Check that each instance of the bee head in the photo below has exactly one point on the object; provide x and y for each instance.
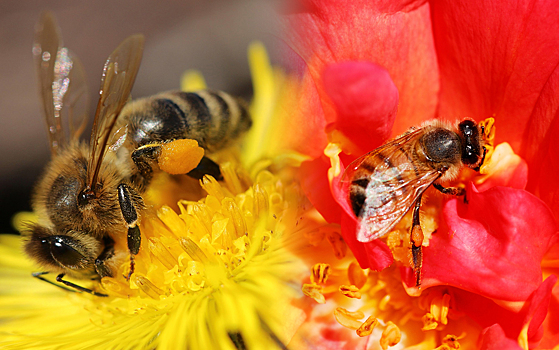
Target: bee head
(473, 152)
(70, 252)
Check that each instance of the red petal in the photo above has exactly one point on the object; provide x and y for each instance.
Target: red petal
(314, 181)
(494, 338)
(495, 59)
(488, 313)
(545, 167)
(365, 99)
(326, 32)
(492, 246)
(502, 59)
(506, 169)
(550, 265)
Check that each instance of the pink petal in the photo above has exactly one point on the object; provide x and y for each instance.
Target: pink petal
(365, 99)
(492, 246)
(325, 32)
(494, 338)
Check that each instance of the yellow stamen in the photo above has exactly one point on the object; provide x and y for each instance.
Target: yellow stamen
(390, 336)
(350, 291)
(320, 273)
(348, 319)
(337, 243)
(439, 308)
(429, 322)
(356, 275)
(147, 287)
(314, 291)
(451, 341)
(367, 327)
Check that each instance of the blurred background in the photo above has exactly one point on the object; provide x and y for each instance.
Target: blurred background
(211, 36)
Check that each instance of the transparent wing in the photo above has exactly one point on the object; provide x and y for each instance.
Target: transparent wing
(389, 184)
(62, 83)
(118, 78)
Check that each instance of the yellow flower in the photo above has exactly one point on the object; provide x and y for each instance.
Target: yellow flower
(212, 272)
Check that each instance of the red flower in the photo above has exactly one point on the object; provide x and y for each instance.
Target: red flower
(379, 67)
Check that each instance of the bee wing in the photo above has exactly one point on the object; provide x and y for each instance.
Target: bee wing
(389, 184)
(62, 83)
(118, 78)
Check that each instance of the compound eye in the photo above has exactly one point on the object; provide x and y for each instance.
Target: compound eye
(63, 252)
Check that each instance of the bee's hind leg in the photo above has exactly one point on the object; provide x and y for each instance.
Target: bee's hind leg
(129, 200)
(146, 159)
(416, 238)
(206, 167)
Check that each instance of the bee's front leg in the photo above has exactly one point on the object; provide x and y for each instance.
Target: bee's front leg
(416, 238)
(130, 203)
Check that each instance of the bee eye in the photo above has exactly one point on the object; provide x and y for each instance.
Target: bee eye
(63, 252)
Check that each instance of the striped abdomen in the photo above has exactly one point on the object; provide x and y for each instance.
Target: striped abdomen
(213, 118)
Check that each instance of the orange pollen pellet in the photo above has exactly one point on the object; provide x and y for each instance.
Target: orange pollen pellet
(320, 273)
(350, 291)
(180, 156)
(417, 236)
(337, 243)
(347, 318)
(367, 327)
(390, 336)
(314, 291)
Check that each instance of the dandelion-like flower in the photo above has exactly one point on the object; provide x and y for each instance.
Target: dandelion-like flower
(212, 272)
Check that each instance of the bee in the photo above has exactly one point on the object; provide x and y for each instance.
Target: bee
(384, 184)
(91, 193)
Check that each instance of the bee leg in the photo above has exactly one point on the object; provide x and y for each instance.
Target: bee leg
(128, 201)
(107, 253)
(59, 279)
(453, 191)
(416, 237)
(145, 158)
(206, 167)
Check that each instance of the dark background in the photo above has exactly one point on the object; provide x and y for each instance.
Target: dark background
(210, 36)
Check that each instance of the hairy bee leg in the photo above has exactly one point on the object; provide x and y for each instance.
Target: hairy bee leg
(59, 279)
(107, 253)
(145, 158)
(130, 215)
(454, 191)
(416, 237)
(206, 167)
